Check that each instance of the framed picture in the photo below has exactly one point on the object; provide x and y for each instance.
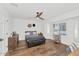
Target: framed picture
(29, 25)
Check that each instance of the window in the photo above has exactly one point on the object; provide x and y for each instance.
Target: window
(48, 28)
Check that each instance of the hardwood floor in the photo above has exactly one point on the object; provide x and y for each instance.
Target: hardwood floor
(47, 49)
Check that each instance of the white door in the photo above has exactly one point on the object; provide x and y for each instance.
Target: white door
(5, 34)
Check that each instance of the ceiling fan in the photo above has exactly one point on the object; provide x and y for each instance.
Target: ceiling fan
(38, 16)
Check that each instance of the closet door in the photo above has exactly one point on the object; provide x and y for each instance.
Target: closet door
(1, 35)
(5, 34)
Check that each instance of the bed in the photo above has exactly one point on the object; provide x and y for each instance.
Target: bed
(33, 39)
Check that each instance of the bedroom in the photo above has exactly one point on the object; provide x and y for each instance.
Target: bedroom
(20, 17)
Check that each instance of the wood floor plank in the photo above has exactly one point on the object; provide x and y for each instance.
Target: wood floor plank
(47, 49)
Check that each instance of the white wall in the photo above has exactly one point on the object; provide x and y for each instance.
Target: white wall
(48, 30)
(20, 26)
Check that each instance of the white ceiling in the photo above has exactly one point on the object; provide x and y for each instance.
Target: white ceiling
(50, 10)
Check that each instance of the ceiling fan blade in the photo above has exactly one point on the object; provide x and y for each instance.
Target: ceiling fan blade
(39, 14)
(41, 18)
